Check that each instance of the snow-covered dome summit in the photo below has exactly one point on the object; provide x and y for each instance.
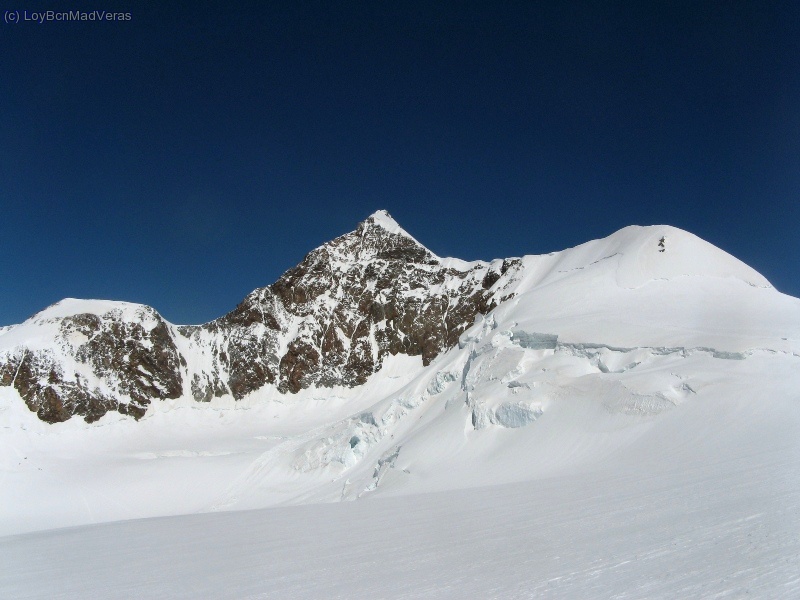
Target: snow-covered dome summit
(665, 252)
(657, 286)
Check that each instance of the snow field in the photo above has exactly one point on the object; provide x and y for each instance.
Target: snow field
(627, 425)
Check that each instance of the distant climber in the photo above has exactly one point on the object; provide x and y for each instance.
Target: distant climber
(662, 244)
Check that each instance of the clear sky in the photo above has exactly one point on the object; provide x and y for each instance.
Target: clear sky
(189, 155)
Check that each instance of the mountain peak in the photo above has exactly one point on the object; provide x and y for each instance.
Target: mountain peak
(384, 223)
(384, 220)
(380, 236)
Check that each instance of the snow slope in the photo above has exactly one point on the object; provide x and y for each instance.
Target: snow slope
(706, 506)
(625, 424)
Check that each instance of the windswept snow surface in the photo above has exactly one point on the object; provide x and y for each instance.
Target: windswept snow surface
(626, 425)
(706, 506)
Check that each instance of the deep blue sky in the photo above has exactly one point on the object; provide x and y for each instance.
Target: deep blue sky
(190, 155)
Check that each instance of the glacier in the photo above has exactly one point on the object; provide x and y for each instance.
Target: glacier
(620, 421)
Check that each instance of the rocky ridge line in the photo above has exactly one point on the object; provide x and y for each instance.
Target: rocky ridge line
(331, 320)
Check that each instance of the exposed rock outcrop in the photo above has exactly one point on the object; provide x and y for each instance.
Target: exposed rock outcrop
(331, 320)
(119, 360)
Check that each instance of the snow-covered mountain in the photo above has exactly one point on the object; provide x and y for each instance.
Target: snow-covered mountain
(620, 419)
(332, 320)
(377, 368)
(374, 293)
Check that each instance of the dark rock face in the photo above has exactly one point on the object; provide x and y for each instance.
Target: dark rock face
(331, 320)
(39, 379)
(134, 365)
(145, 362)
(334, 318)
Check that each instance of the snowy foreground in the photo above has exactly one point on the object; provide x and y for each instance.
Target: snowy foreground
(627, 426)
(686, 515)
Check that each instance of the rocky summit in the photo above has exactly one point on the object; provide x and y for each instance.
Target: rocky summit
(329, 321)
